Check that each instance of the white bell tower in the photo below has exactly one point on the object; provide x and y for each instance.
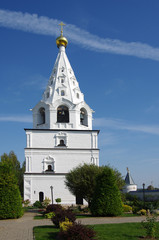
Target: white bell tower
(62, 135)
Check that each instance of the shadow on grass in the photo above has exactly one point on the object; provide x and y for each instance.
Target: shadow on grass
(45, 232)
(127, 236)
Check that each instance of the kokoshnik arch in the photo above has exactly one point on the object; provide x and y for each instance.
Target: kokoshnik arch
(62, 135)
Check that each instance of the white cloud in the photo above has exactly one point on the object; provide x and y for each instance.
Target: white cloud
(123, 125)
(47, 26)
(18, 118)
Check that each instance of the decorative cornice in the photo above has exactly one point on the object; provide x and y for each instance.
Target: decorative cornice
(46, 173)
(60, 130)
(64, 148)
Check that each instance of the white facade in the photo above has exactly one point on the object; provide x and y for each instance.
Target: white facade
(62, 135)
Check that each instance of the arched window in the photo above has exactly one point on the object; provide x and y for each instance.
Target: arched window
(62, 114)
(83, 117)
(41, 115)
(77, 95)
(62, 143)
(49, 168)
(62, 93)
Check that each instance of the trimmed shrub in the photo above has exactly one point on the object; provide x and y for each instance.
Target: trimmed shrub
(77, 232)
(58, 200)
(53, 208)
(49, 215)
(65, 225)
(135, 209)
(127, 208)
(61, 215)
(38, 204)
(107, 197)
(10, 198)
(142, 212)
(86, 210)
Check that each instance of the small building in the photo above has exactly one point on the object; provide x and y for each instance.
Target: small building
(129, 186)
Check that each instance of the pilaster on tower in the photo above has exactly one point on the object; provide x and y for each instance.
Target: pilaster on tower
(62, 105)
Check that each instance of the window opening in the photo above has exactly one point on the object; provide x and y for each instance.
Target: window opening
(62, 80)
(62, 93)
(49, 168)
(83, 117)
(77, 95)
(41, 196)
(42, 115)
(62, 143)
(62, 114)
(48, 94)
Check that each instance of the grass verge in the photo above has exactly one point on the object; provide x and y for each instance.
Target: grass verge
(40, 216)
(120, 231)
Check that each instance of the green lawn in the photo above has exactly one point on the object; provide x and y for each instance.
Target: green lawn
(40, 216)
(45, 232)
(122, 231)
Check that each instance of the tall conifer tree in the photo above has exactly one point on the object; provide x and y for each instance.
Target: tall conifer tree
(107, 197)
(10, 199)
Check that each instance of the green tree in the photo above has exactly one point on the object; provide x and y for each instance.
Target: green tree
(107, 198)
(21, 179)
(119, 178)
(12, 161)
(150, 187)
(10, 199)
(81, 181)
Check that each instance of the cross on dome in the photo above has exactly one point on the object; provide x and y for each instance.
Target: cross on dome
(62, 24)
(61, 41)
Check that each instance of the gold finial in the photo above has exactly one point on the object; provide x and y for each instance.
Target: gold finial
(61, 41)
(127, 169)
(62, 24)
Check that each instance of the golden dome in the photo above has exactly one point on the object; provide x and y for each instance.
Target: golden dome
(61, 41)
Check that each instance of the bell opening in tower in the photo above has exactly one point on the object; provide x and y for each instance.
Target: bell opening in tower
(83, 117)
(62, 114)
(41, 116)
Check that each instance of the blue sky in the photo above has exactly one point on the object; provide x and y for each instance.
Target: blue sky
(114, 51)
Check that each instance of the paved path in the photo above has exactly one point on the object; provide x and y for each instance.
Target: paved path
(22, 228)
(105, 220)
